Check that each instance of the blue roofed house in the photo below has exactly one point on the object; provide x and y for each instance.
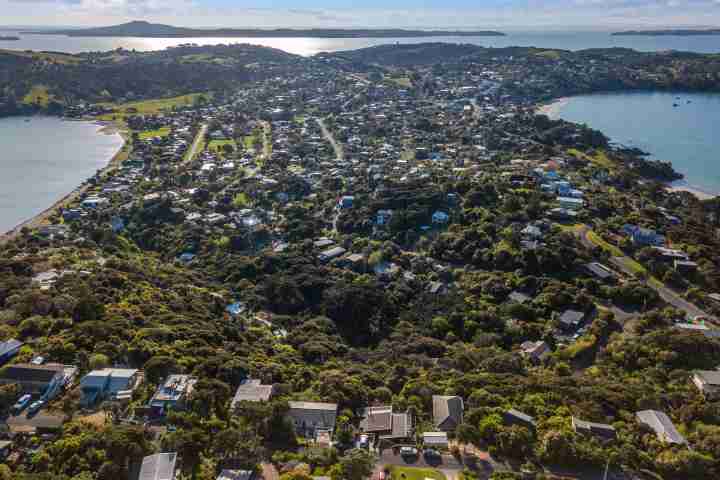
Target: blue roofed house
(235, 308)
(113, 383)
(8, 349)
(346, 201)
(643, 236)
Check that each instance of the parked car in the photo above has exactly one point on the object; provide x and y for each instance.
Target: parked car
(21, 403)
(408, 451)
(364, 441)
(36, 406)
(431, 453)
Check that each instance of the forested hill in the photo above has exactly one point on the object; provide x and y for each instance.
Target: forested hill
(59, 79)
(146, 29)
(675, 32)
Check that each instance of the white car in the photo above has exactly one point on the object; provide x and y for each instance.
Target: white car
(408, 451)
(36, 406)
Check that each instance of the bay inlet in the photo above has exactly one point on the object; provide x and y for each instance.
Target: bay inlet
(678, 127)
(42, 159)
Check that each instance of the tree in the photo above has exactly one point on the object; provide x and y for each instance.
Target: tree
(159, 367)
(99, 361)
(8, 395)
(357, 464)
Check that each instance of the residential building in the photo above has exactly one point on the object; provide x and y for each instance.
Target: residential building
(440, 218)
(236, 475)
(600, 271)
(447, 412)
(311, 417)
(708, 382)
(571, 319)
(108, 383)
(661, 424)
(331, 253)
(435, 439)
(516, 417)
(534, 351)
(8, 349)
(173, 394)
(160, 466)
(599, 430)
(385, 423)
(251, 390)
(571, 203)
(34, 379)
(643, 237)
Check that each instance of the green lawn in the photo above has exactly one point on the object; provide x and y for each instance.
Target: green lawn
(600, 157)
(37, 94)
(615, 252)
(249, 142)
(152, 106)
(412, 473)
(160, 132)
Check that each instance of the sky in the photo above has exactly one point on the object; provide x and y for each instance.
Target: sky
(462, 14)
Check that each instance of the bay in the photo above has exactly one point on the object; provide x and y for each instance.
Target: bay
(677, 127)
(44, 158)
(568, 40)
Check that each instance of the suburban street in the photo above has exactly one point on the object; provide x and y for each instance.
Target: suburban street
(327, 135)
(195, 147)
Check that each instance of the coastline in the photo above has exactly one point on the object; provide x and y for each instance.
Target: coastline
(684, 186)
(107, 128)
(552, 109)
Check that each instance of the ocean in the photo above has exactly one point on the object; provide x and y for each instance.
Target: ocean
(311, 46)
(45, 158)
(677, 127)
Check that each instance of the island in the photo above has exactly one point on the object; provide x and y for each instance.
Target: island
(8, 38)
(147, 29)
(669, 32)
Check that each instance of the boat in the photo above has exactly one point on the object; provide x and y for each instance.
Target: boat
(675, 104)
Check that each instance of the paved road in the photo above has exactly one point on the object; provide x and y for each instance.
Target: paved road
(623, 263)
(339, 154)
(199, 138)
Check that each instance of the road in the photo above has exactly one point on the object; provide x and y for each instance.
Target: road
(327, 135)
(199, 138)
(624, 263)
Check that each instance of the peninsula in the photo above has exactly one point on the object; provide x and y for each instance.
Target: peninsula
(146, 29)
(669, 32)
(8, 38)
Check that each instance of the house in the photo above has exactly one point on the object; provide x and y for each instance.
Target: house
(440, 218)
(531, 231)
(251, 390)
(5, 448)
(643, 237)
(383, 217)
(346, 201)
(447, 412)
(571, 203)
(661, 424)
(108, 383)
(34, 379)
(173, 394)
(516, 417)
(437, 288)
(600, 271)
(323, 242)
(435, 439)
(330, 254)
(598, 430)
(386, 424)
(685, 267)
(160, 466)
(571, 320)
(519, 297)
(534, 351)
(236, 475)
(310, 418)
(708, 382)
(8, 349)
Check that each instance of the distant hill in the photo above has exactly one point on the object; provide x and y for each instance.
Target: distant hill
(146, 29)
(675, 32)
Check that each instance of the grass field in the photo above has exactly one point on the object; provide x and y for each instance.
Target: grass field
(403, 82)
(160, 132)
(152, 106)
(615, 252)
(412, 473)
(37, 94)
(599, 158)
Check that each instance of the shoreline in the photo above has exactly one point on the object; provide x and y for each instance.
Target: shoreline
(683, 186)
(106, 128)
(552, 109)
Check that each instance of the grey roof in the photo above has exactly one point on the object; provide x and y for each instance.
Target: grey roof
(377, 419)
(599, 270)
(160, 466)
(661, 425)
(519, 297)
(235, 475)
(711, 377)
(447, 411)
(252, 390)
(9, 345)
(316, 413)
(401, 425)
(518, 415)
(601, 429)
(571, 317)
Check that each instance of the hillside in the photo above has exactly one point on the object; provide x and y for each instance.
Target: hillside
(146, 29)
(674, 32)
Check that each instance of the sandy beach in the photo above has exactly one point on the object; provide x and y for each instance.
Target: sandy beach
(684, 186)
(43, 217)
(553, 108)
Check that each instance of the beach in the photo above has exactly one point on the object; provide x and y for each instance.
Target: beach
(107, 128)
(684, 186)
(553, 108)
